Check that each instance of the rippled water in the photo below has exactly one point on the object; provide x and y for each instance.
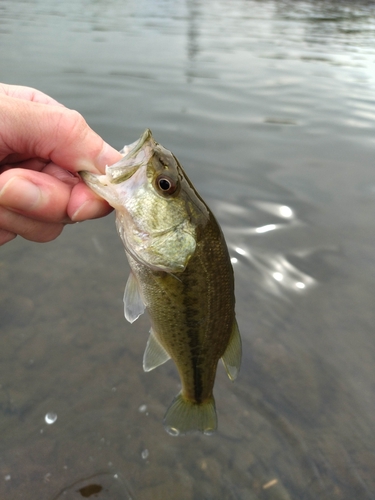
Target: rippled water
(270, 107)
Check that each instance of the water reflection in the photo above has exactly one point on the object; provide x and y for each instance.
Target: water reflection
(277, 274)
(193, 30)
(276, 209)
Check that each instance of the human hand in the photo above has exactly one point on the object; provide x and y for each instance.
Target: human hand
(42, 147)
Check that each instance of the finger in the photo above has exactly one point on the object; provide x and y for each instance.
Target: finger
(28, 94)
(12, 223)
(61, 174)
(21, 161)
(6, 236)
(54, 133)
(84, 204)
(51, 196)
(34, 194)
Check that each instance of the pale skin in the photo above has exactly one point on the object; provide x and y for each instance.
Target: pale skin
(42, 147)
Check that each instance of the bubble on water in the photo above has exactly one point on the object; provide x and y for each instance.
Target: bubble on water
(172, 431)
(145, 454)
(50, 418)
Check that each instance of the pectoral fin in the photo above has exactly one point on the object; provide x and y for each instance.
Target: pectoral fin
(232, 356)
(133, 304)
(155, 354)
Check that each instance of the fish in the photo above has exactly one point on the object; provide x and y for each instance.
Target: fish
(181, 274)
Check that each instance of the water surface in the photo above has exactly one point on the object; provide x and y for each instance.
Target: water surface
(270, 107)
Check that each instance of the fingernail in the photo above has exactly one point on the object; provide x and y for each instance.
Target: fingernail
(91, 209)
(20, 193)
(107, 156)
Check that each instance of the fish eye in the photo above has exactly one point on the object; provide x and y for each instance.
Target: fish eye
(166, 185)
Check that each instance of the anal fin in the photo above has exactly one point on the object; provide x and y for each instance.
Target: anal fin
(133, 303)
(155, 354)
(232, 356)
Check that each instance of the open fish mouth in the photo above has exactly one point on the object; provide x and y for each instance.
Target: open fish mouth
(132, 149)
(135, 155)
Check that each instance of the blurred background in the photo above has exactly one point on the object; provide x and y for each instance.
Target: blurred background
(270, 107)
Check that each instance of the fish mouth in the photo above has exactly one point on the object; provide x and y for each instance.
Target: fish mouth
(97, 183)
(135, 155)
(131, 150)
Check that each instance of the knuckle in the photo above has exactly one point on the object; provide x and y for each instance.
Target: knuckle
(71, 125)
(75, 123)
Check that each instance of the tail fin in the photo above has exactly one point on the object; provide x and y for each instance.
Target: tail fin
(184, 416)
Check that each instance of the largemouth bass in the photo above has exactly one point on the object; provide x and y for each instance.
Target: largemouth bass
(180, 272)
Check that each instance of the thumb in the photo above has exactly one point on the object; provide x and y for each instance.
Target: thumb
(51, 132)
